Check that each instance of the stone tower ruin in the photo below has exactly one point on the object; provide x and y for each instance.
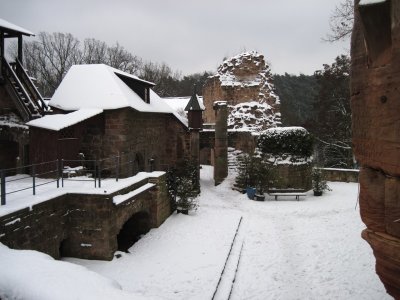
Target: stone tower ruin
(245, 83)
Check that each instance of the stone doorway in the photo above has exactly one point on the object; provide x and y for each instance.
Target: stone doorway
(138, 164)
(132, 230)
(8, 155)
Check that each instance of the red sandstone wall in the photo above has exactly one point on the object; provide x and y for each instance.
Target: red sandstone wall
(158, 136)
(376, 136)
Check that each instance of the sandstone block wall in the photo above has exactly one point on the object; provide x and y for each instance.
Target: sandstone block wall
(341, 175)
(293, 177)
(150, 135)
(375, 79)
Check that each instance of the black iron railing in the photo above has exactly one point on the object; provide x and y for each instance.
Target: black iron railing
(66, 170)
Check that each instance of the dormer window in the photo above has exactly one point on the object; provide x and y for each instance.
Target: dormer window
(140, 87)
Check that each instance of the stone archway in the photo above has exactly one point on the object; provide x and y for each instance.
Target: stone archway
(132, 230)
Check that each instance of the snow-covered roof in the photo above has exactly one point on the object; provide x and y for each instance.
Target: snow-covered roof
(60, 121)
(194, 104)
(179, 103)
(99, 86)
(370, 2)
(12, 27)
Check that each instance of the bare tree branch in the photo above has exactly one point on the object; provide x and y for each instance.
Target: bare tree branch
(341, 22)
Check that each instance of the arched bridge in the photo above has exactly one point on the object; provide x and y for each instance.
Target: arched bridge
(89, 226)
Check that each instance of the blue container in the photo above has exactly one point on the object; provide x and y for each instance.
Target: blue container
(250, 191)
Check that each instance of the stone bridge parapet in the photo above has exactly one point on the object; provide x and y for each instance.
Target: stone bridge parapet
(85, 225)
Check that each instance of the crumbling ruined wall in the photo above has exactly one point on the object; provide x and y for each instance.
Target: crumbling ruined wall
(375, 81)
(245, 78)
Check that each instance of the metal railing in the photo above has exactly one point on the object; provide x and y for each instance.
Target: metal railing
(64, 170)
(45, 169)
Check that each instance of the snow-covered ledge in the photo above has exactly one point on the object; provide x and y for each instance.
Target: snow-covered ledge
(25, 199)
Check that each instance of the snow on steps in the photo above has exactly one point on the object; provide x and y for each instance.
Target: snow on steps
(232, 158)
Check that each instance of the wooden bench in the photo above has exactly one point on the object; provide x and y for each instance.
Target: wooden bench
(289, 192)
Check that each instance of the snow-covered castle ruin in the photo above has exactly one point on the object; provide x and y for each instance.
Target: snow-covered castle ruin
(245, 82)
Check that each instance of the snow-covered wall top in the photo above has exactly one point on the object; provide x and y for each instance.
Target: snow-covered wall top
(370, 2)
(245, 69)
(12, 121)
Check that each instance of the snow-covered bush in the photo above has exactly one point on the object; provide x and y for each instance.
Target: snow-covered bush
(280, 141)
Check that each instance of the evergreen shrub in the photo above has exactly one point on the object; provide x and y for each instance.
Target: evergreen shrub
(280, 141)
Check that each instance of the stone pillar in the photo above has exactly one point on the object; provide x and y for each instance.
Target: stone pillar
(195, 148)
(161, 205)
(221, 141)
(375, 107)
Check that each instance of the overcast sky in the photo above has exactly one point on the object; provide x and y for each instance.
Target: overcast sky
(193, 36)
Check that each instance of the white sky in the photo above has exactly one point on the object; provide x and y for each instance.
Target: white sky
(193, 36)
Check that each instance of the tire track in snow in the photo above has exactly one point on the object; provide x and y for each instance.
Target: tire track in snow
(227, 278)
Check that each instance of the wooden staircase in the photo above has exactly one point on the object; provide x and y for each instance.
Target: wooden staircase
(23, 91)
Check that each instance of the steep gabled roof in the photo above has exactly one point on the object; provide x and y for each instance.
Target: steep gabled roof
(100, 86)
(10, 28)
(194, 103)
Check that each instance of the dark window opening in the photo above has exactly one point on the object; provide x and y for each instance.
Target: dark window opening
(376, 21)
(133, 230)
(141, 88)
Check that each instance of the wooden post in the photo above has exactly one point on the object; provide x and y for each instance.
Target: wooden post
(20, 53)
(1, 54)
(3, 187)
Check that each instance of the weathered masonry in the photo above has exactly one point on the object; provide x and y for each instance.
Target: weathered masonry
(89, 226)
(375, 81)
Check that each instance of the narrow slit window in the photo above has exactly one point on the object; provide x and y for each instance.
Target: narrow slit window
(376, 21)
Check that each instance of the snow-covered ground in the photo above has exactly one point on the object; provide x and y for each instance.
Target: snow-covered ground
(286, 249)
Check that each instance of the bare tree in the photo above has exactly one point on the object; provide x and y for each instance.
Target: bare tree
(49, 57)
(123, 60)
(56, 53)
(160, 73)
(341, 22)
(94, 52)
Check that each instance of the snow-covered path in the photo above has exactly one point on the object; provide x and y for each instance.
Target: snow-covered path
(308, 249)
